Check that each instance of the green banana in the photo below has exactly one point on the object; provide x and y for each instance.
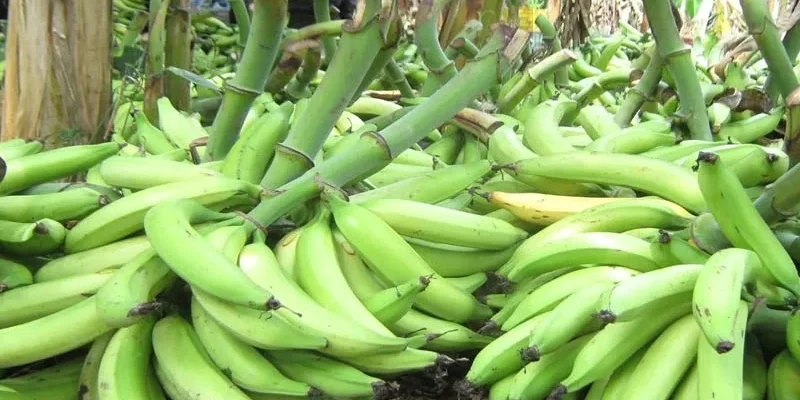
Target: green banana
(431, 187)
(38, 238)
(125, 216)
(344, 337)
(541, 127)
(570, 317)
(717, 292)
(178, 128)
(63, 206)
(755, 370)
(536, 379)
(51, 335)
(617, 382)
(750, 129)
(396, 172)
(151, 138)
(735, 214)
(139, 173)
(125, 369)
(183, 367)
(641, 294)
(389, 305)
(89, 381)
(318, 273)
(444, 225)
(687, 390)
(583, 248)
(243, 364)
(784, 372)
(330, 376)
(56, 382)
(792, 334)
(50, 165)
(400, 362)
(38, 300)
(250, 155)
(456, 261)
(667, 359)
(720, 376)
(469, 283)
(286, 252)
(394, 260)
(642, 173)
(112, 255)
(610, 347)
(549, 295)
(129, 295)
(500, 389)
(13, 275)
(680, 150)
(631, 143)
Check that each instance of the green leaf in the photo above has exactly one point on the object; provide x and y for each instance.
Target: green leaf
(194, 78)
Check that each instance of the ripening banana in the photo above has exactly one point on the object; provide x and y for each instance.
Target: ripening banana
(735, 214)
(125, 216)
(570, 317)
(344, 337)
(13, 275)
(650, 175)
(645, 293)
(603, 248)
(544, 209)
(332, 377)
(536, 379)
(610, 347)
(38, 300)
(721, 375)
(389, 305)
(784, 377)
(243, 364)
(394, 260)
(129, 295)
(125, 368)
(549, 295)
(717, 294)
(667, 359)
(444, 225)
(51, 335)
(51, 165)
(184, 368)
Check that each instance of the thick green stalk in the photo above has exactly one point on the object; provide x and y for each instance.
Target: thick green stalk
(678, 58)
(763, 29)
(289, 64)
(490, 15)
(550, 34)
(643, 90)
(391, 38)
(298, 88)
(242, 20)
(465, 47)
(154, 66)
(322, 13)
(178, 54)
(135, 28)
(314, 31)
(269, 19)
(441, 69)
(791, 139)
(361, 42)
(470, 30)
(532, 78)
(375, 150)
(791, 43)
(398, 79)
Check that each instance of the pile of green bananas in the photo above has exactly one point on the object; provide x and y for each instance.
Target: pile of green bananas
(546, 249)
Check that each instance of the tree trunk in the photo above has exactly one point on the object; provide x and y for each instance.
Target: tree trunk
(579, 18)
(58, 71)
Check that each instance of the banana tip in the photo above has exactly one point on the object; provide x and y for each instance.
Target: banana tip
(467, 390)
(489, 328)
(557, 393)
(724, 347)
(3, 168)
(385, 390)
(315, 393)
(3, 287)
(529, 354)
(707, 156)
(607, 316)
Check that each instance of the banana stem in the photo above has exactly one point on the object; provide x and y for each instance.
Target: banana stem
(308, 70)
(791, 140)
(398, 79)
(138, 22)
(643, 90)
(469, 31)
(763, 29)
(360, 44)
(678, 58)
(780, 199)
(374, 150)
(242, 20)
(791, 43)
(451, 18)
(289, 64)
(478, 123)
(386, 54)
(550, 35)
(533, 78)
(441, 69)
(319, 30)
(465, 47)
(322, 14)
(269, 19)
(154, 67)
(178, 54)
(490, 15)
